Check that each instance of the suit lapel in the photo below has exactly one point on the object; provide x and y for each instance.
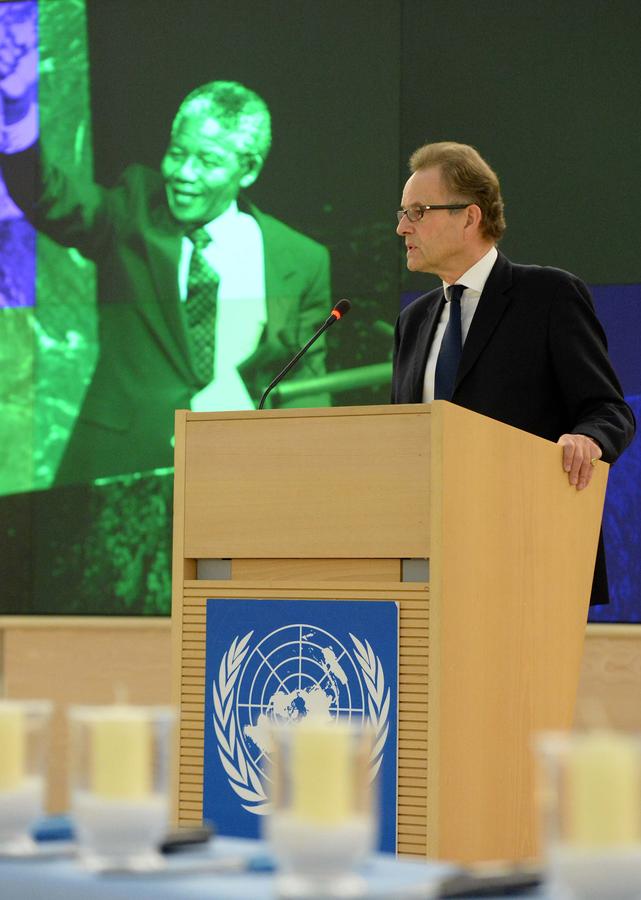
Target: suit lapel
(280, 270)
(424, 342)
(163, 246)
(278, 340)
(492, 305)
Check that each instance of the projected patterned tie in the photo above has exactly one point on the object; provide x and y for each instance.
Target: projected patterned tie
(449, 356)
(202, 290)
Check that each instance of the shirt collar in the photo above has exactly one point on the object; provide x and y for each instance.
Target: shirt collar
(477, 275)
(221, 223)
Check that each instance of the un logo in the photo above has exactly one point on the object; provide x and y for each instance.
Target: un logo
(293, 672)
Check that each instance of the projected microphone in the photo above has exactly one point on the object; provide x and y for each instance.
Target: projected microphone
(340, 309)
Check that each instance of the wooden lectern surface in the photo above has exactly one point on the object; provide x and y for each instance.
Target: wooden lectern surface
(512, 562)
(341, 491)
(324, 504)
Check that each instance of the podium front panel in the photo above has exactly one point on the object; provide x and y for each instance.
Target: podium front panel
(297, 483)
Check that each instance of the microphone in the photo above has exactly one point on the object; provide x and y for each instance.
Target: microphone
(340, 309)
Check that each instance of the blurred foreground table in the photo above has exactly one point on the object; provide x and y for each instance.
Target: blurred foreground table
(64, 879)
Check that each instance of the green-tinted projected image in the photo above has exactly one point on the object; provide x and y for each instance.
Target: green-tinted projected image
(48, 349)
(201, 296)
(96, 549)
(163, 283)
(18, 56)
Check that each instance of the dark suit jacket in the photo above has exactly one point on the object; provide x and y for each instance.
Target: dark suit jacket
(144, 370)
(535, 357)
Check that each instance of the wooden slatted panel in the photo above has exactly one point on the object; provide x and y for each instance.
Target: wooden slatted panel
(416, 851)
(192, 712)
(412, 695)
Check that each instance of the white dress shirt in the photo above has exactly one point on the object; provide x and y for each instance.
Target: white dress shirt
(474, 280)
(236, 253)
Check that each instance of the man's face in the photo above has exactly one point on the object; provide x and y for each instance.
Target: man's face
(435, 242)
(203, 171)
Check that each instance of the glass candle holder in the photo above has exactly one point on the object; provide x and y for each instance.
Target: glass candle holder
(322, 823)
(24, 744)
(590, 801)
(120, 777)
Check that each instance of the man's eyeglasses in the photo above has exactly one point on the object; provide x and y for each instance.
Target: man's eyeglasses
(416, 213)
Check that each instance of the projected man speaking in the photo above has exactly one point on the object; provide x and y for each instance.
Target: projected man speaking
(202, 297)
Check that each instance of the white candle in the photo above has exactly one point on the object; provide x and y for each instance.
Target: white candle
(604, 791)
(121, 753)
(322, 773)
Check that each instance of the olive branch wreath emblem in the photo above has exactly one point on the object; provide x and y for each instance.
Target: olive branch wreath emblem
(242, 777)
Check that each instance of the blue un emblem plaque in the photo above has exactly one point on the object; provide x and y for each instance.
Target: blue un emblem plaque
(279, 661)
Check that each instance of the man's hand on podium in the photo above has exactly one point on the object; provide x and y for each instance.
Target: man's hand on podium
(580, 454)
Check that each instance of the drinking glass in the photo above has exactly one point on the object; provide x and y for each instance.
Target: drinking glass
(120, 776)
(322, 823)
(24, 740)
(590, 800)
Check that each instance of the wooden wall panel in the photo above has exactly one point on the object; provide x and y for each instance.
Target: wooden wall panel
(610, 683)
(84, 660)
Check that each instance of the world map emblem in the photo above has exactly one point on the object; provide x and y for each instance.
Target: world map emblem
(279, 661)
(295, 671)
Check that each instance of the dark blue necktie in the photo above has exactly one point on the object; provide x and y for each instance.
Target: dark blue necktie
(449, 356)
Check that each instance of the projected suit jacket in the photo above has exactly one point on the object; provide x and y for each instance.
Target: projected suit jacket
(144, 370)
(535, 357)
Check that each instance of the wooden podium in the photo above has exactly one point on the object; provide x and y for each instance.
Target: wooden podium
(469, 524)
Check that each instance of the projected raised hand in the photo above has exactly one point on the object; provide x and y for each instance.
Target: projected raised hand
(18, 75)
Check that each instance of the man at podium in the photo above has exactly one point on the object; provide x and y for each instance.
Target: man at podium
(521, 344)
